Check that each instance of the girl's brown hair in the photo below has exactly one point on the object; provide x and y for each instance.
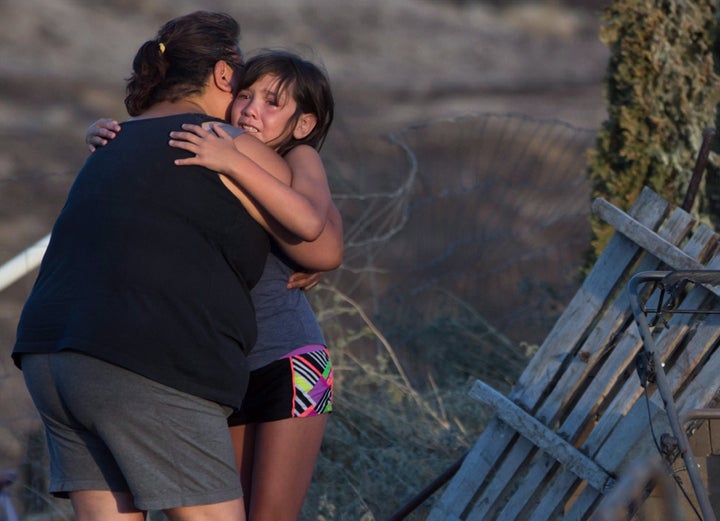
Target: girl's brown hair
(305, 82)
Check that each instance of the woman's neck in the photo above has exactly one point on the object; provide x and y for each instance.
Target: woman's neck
(171, 108)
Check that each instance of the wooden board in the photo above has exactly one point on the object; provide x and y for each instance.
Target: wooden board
(585, 414)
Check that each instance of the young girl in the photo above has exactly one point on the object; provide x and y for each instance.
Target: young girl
(285, 102)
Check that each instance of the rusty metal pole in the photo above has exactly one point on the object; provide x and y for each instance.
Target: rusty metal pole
(699, 169)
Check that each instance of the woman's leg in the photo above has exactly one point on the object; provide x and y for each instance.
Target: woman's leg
(233, 510)
(167, 449)
(104, 505)
(283, 464)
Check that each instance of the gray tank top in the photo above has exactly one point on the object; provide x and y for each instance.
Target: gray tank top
(285, 319)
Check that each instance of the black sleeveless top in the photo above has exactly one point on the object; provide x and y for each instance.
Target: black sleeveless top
(149, 267)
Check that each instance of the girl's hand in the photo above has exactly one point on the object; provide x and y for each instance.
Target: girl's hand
(98, 133)
(213, 148)
(303, 281)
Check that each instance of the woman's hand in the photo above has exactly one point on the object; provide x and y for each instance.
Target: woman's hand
(213, 148)
(304, 281)
(98, 133)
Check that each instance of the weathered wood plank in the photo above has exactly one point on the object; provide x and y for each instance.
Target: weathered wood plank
(674, 230)
(586, 305)
(643, 236)
(570, 329)
(632, 431)
(542, 437)
(560, 486)
(483, 457)
(558, 489)
(703, 338)
(577, 367)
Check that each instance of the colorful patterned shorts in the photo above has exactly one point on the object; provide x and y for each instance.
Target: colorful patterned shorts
(296, 386)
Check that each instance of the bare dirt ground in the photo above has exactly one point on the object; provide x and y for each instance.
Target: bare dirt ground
(392, 64)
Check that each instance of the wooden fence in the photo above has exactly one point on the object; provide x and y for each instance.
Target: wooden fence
(578, 421)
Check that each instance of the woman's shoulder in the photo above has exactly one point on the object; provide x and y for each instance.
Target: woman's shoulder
(186, 117)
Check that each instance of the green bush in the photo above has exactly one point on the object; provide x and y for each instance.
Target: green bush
(662, 90)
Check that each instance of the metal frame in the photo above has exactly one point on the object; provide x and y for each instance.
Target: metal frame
(671, 279)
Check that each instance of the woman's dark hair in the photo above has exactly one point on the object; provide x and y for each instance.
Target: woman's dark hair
(305, 82)
(178, 62)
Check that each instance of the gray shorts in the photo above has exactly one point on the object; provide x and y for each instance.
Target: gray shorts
(108, 428)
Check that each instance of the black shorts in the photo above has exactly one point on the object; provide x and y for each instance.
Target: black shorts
(296, 386)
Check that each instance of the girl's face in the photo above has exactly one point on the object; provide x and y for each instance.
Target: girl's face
(263, 111)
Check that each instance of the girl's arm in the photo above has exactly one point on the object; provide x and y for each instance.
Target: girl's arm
(309, 180)
(302, 211)
(322, 254)
(325, 253)
(98, 133)
(298, 212)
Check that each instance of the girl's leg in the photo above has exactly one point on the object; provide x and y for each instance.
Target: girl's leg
(283, 464)
(243, 439)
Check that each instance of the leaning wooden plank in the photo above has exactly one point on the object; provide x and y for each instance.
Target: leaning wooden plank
(560, 486)
(703, 245)
(524, 500)
(570, 329)
(665, 341)
(645, 237)
(620, 366)
(704, 388)
(494, 494)
(556, 495)
(620, 253)
(680, 325)
(633, 429)
(590, 373)
(545, 439)
(583, 506)
(598, 385)
(618, 315)
(469, 478)
(609, 425)
(552, 407)
(482, 458)
(583, 309)
(586, 501)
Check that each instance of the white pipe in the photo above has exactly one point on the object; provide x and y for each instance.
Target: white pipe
(23, 263)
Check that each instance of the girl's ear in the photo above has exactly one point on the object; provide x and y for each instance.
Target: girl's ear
(305, 124)
(223, 76)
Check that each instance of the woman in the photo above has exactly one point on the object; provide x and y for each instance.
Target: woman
(133, 340)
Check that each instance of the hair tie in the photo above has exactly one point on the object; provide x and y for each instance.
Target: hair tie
(162, 47)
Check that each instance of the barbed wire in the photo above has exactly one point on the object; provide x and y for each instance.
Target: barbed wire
(464, 237)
